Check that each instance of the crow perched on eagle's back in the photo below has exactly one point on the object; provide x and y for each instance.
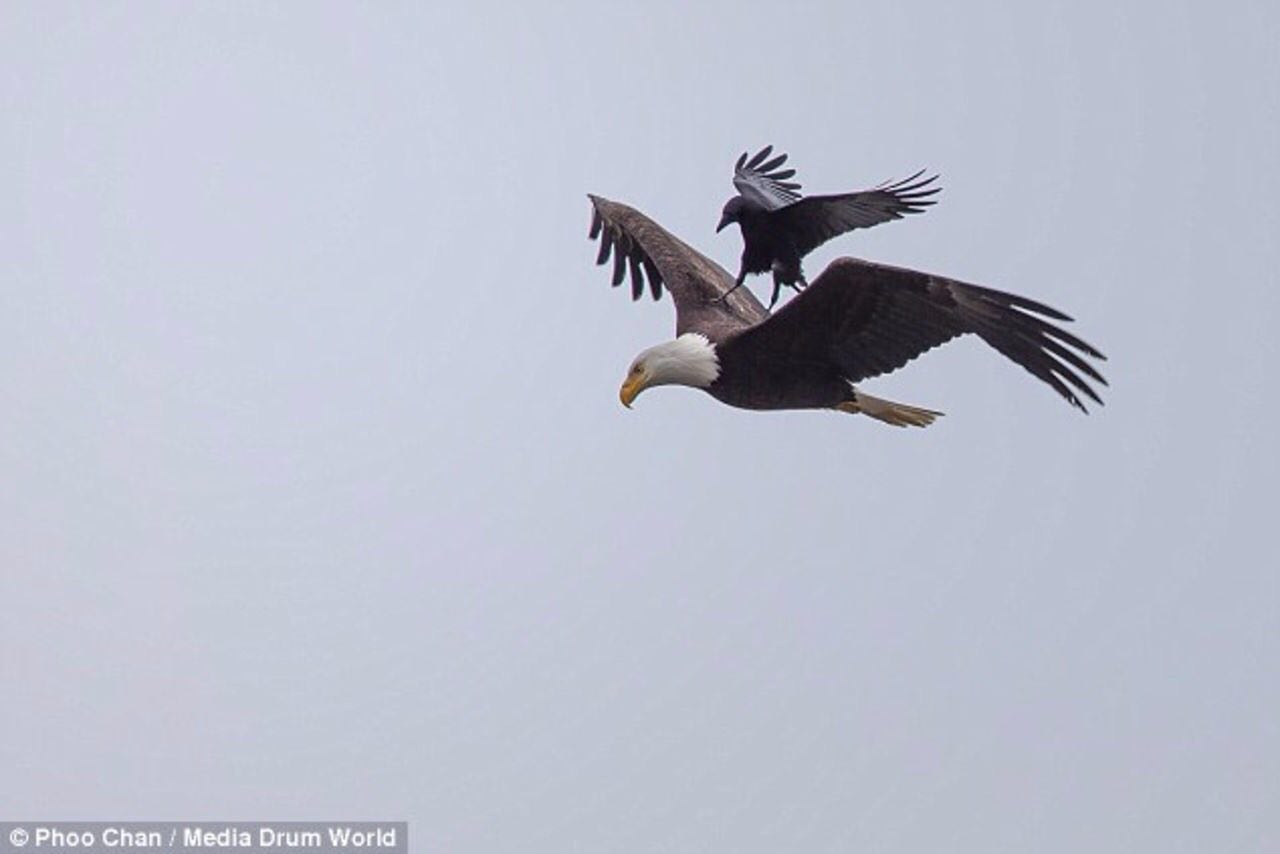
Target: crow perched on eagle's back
(780, 227)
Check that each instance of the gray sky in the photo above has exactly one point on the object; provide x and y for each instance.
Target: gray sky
(317, 500)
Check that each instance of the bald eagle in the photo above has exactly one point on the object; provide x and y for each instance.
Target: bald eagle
(857, 320)
(779, 226)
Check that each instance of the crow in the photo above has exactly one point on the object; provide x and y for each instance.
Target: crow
(780, 227)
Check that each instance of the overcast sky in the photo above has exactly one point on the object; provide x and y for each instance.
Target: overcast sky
(317, 499)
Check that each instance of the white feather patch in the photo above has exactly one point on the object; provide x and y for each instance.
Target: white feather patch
(688, 360)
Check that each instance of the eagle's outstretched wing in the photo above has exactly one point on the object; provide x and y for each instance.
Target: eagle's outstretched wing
(697, 284)
(871, 319)
(763, 182)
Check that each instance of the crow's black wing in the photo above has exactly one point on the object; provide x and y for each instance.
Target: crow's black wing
(812, 221)
(761, 181)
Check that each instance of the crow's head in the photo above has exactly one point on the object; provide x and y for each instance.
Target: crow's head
(732, 212)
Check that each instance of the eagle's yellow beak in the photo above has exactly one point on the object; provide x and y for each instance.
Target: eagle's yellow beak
(636, 382)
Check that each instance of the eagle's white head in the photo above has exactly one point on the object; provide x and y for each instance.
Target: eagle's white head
(689, 360)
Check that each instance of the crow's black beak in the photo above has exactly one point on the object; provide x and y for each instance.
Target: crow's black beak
(724, 220)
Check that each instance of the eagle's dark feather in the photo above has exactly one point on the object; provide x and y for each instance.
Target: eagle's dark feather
(697, 284)
(869, 319)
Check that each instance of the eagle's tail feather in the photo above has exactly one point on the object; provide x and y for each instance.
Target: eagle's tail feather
(897, 414)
